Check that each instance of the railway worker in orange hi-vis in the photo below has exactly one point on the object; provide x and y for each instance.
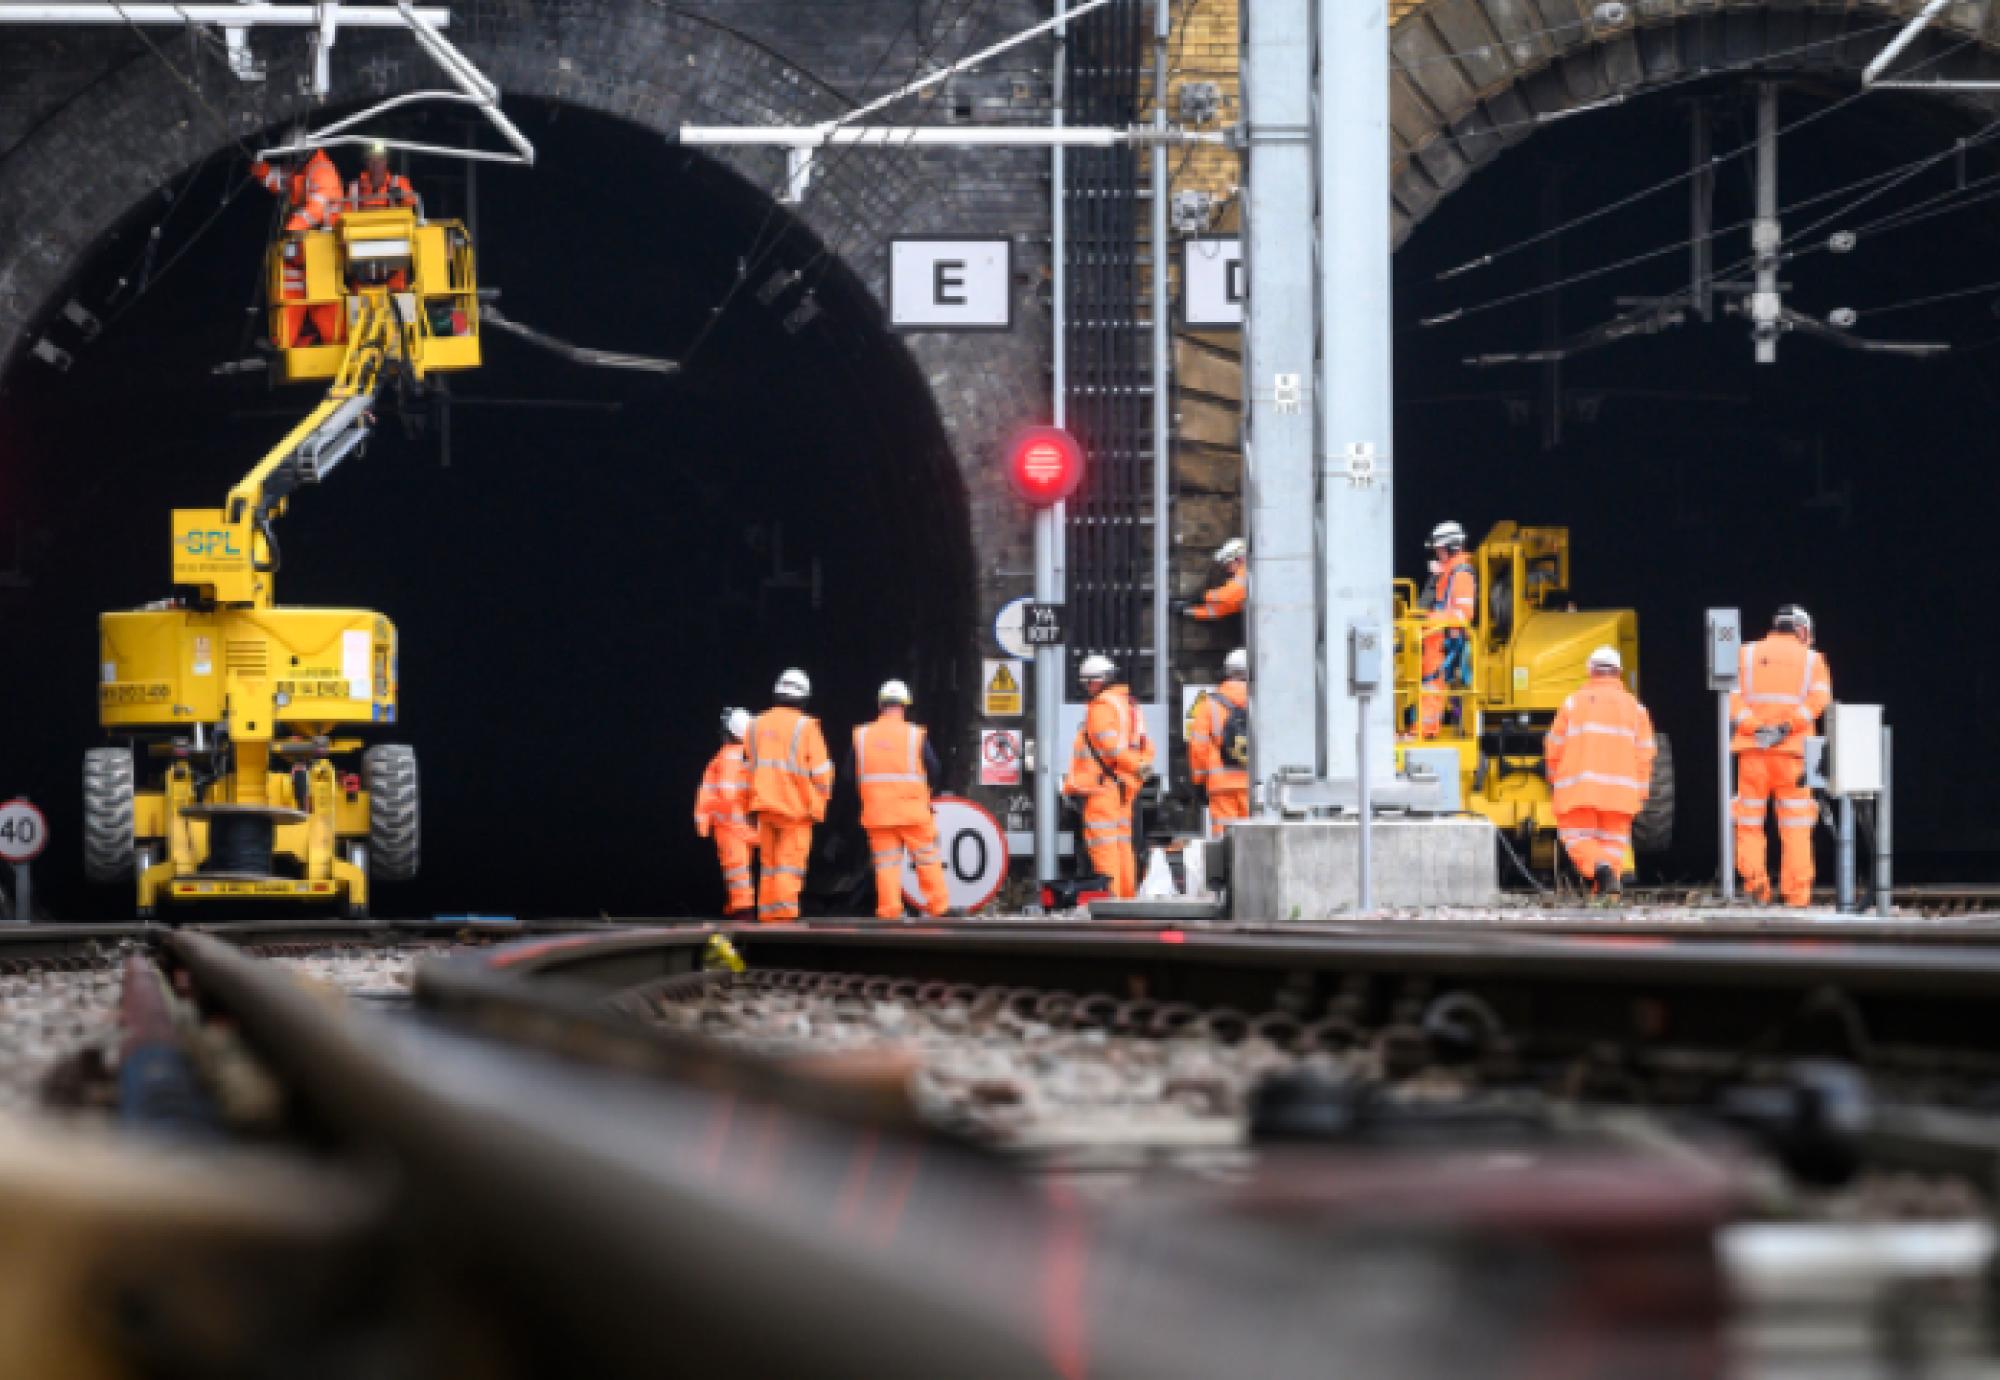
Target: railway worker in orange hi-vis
(1226, 599)
(1449, 601)
(1599, 753)
(1782, 687)
(722, 812)
(894, 768)
(1218, 744)
(1108, 763)
(791, 779)
(312, 193)
(377, 189)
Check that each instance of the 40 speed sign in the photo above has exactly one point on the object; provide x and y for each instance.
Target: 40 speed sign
(974, 850)
(23, 832)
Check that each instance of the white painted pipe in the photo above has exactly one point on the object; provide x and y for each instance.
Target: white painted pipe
(249, 16)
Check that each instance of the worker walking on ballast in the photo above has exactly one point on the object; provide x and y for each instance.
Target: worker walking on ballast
(1108, 763)
(895, 770)
(791, 780)
(721, 812)
(1218, 744)
(1599, 753)
(1782, 687)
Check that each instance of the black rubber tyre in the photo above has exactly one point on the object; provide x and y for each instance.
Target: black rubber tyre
(1653, 828)
(109, 849)
(389, 772)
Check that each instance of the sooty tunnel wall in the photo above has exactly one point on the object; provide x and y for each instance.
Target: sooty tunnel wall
(1860, 485)
(583, 577)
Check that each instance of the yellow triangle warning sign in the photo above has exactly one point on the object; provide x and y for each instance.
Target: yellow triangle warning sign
(1003, 689)
(1003, 682)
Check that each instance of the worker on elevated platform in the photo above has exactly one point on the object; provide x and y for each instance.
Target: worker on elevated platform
(1449, 602)
(895, 769)
(1219, 744)
(1108, 763)
(791, 779)
(1226, 600)
(377, 188)
(1782, 687)
(1599, 754)
(312, 195)
(722, 812)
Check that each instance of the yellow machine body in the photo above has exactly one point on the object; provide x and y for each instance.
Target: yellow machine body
(426, 268)
(1528, 651)
(234, 699)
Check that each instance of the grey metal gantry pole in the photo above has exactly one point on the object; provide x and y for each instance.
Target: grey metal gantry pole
(1356, 393)
(1049, 520)
(1162, 425)
(1765, 234)
(1281, 619)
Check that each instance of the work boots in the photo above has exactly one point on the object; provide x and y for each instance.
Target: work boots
(1604, 882)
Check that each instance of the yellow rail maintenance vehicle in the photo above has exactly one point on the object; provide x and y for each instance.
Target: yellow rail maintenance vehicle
(1525, 653)
(242, 708)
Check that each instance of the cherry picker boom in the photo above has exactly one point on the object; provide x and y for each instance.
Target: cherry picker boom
(236, 704)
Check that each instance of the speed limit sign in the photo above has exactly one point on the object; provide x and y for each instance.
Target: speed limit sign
(23, 832)
(974, 851)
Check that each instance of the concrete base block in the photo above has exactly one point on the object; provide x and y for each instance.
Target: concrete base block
(1299, 870)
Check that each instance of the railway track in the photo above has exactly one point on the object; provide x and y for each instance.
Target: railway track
(1051, 1149)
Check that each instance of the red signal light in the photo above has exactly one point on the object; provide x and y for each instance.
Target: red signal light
(1045, 465)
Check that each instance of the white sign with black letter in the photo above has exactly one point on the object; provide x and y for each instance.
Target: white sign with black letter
(974, 850)
(948, 284)
(1212, 282)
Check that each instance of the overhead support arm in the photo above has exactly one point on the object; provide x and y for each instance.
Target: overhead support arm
(1910, 31)
(580, 354)
(229, 16)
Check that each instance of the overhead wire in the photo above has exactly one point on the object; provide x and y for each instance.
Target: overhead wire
(1665, 184)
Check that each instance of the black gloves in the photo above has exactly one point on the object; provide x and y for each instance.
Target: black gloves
(1772, 734)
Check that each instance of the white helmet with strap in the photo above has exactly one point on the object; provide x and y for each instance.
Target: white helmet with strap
(793, 685)
(1235, 549)
(1794, 618)
(1607, 659)
(893, 692)
(1448, 534)
(1097, 667)
(1236, 666)
(736, 723)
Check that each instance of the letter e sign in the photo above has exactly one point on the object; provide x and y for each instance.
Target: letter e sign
(947, 283)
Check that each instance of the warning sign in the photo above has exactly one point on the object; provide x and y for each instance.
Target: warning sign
(1003, 689)
(999, 757)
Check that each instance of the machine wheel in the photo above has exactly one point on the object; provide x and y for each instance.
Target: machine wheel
(389, 772)
(109, 850)
(1653, 828)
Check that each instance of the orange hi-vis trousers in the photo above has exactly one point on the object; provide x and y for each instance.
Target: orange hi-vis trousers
(784, 845)
(734, 851)
(886, 846)
(1224, 806)
(1762, 779)
(1107, 835)
(1594, 837)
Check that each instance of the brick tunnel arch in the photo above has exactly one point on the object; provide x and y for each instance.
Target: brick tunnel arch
(1473, 78)
(948, 396)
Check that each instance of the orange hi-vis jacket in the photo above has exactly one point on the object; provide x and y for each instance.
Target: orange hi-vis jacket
(1779, 679)
(313, 191)
(1225, 599)
(1207, 764)
(365, 194)
(1456, 591)
(790, 775)
(1600, 750)
(889, 773)
(721, 806)
(1114, 727)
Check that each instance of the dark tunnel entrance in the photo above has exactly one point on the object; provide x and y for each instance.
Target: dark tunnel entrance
(1860, 485)
(584, 567)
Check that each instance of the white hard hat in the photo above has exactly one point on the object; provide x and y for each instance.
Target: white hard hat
(1447, 534)
(736, 723)
(794, 685)
(1606, 659)
(1237, 663)
(378, 149)
(1794, 618)
(1097, 667)
(893, 692)
(1235, 549)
